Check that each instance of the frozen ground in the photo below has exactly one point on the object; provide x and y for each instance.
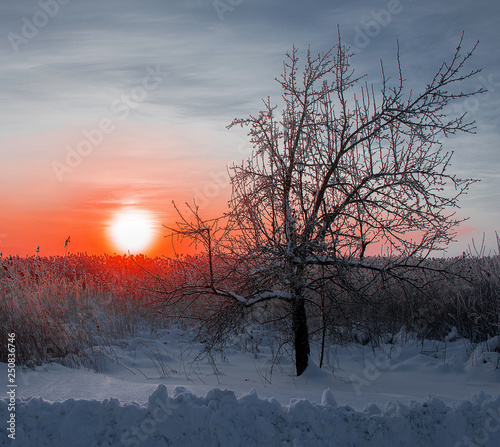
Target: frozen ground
(152, 392)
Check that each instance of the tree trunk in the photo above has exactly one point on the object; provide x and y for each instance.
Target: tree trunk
(300, 335)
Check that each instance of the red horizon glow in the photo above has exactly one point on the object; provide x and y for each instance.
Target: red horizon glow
(88, 220)
(91, 237)
(135, 167)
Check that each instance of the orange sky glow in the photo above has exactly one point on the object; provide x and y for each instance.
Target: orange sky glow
(122, 175)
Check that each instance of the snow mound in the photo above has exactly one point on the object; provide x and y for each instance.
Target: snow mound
(220, 419)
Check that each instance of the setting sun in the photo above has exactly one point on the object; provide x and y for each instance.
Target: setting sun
(132, 230)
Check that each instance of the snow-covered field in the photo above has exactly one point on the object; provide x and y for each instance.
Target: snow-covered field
(152, 391)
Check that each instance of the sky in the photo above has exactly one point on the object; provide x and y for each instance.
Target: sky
(121, 105)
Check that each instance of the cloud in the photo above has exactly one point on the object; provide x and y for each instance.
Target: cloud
(91, 55)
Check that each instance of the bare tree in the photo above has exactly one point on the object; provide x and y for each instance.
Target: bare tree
(342, 170)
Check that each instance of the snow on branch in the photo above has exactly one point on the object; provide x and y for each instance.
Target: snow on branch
(321, 260)
(256, 297)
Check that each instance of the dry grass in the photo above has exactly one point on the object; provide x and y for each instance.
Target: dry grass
(61, 306)
(468, 300)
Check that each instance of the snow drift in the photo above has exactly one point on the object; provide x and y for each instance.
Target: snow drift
(220, 419)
